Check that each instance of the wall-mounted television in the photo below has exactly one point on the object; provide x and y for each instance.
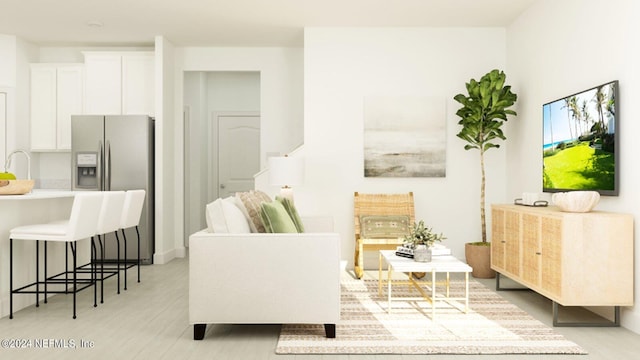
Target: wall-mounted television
(580, 141)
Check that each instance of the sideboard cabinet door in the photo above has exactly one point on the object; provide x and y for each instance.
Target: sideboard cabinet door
(574, 259)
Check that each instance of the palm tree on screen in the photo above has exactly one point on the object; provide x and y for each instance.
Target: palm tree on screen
(567, 106)
(600, 101)
(576, 115)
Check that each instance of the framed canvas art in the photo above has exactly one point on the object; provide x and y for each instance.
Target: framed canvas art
(404, 137)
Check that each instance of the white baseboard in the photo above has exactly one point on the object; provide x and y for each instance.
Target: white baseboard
(630, 319)
(163, 258)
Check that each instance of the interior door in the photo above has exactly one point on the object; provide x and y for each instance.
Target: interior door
(238, 153)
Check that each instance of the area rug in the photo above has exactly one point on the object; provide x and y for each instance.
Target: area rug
(492, 326)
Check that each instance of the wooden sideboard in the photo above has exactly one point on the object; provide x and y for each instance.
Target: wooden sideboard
(574, 259)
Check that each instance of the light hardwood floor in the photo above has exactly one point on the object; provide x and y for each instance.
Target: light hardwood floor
(150, 321)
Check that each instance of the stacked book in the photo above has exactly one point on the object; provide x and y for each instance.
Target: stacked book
(436, 250)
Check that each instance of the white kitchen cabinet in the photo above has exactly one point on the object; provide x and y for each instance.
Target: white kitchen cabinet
(119, 83)
(138, 75)
(56, 94)
(103, 84)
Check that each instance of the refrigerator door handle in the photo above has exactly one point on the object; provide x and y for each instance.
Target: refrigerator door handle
(107, 166)
(99, 165)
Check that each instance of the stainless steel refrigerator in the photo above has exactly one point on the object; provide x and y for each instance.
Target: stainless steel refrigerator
(115, 152)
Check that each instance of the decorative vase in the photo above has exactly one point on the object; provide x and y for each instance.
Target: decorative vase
(576, 201)
(479, 258)
(422, 253)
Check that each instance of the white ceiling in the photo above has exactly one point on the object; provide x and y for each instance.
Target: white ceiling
(233, 22)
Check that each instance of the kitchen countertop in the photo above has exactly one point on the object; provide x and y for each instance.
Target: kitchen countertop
(40, 194)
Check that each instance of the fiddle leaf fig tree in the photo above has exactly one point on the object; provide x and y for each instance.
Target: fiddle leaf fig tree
(484, 110)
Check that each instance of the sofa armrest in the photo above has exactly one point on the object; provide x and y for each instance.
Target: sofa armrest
(264, 278)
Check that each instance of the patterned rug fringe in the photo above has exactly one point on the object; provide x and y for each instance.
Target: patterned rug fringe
(492, 326)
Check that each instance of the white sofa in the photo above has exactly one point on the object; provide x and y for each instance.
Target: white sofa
(259, 278)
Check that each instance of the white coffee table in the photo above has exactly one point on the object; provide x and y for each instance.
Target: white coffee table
(440, 263)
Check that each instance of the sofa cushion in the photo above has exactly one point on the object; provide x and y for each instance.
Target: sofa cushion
(249, 203)
(384, 226)
(223, 216)
(292, 211)
(276, 219)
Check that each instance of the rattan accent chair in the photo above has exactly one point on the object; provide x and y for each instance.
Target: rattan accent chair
(382, 205)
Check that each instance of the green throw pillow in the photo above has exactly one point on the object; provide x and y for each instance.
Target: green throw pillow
(293, 213)
(275, 218)
(384, 226)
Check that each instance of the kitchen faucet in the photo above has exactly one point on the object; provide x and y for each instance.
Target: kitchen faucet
(8, 162)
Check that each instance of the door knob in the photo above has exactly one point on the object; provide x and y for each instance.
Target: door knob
(222, 186)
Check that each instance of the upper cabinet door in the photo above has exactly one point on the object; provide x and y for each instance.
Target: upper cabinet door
(103, 83)
(119, 83)
(138, 75)
(43, 107)
(69, 95)
(56, 94)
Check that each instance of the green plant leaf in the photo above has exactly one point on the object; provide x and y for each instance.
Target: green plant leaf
(482, 113)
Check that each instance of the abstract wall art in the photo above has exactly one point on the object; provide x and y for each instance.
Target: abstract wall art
(404, 136)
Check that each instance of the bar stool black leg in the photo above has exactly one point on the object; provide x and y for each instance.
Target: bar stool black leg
(138, 233)
(10, 278)
(75, 278)
(45, 273)
(94, 274)
(101, 269)
(118, 261)
(124, 261)
(37, 273)
(66, 267)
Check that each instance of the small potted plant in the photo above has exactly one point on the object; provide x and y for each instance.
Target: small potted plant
(421, 239)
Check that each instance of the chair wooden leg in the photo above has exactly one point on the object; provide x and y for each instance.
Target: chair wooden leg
(358, 265)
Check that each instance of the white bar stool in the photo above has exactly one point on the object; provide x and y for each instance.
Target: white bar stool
(133, 203)
(82, 224)
(109, 222)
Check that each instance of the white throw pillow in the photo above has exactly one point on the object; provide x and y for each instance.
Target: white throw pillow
(223, 216)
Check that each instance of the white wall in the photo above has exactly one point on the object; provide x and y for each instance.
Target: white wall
(280, 103)
(345, 65)
(7, 60)
(195, 165)
(557, 48)
(15, 57)
(206, 93)
(7, 85)
(280, 87)
(168, 209)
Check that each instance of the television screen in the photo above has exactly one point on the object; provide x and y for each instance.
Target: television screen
(580, 141)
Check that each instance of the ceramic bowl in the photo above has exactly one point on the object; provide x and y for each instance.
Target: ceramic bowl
(576, 201)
